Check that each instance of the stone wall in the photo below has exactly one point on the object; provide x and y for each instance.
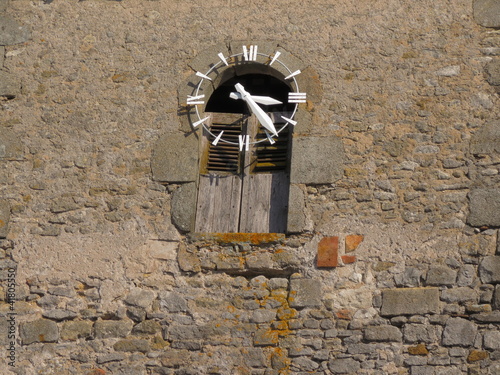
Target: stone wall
(393, 268)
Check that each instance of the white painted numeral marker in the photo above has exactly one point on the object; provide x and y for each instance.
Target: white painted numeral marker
(289, 120)
(193, 100)
(269, 138)
(223, 59)
(297, 97)
(203, 76)
(197, 123)
(250, 54)
(244, 142)
(275, 57)
(297, 72)
(217, 139)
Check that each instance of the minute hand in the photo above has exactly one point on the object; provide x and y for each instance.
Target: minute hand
(263, 118)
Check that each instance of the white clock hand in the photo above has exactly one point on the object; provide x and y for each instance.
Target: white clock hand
(266, 100)
(263, 118)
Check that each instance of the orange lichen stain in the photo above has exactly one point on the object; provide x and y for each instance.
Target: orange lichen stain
(280, 360)
(2, 223)
(477, 355)
(420, 349)
(41, 338)
(253, 238)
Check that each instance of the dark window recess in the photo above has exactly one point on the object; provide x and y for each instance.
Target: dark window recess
(225, 156)
(272, 157)
(255, 84)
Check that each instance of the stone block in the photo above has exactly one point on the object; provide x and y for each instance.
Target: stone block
(491, 340)
(10, 86)
(59, 314)
(410, 301)
(4, 217)
(344, 366)
(328, 249)
(317, 160)
(75, 330)
(254, 357)
(188, 261)
(12, 32)
(484, 207)
(265, 337)
(487, 13)
(140, 297)
(486, 140)
(415, 333)
(183, 332)
(496, 298)
(172, 302)
(409, 278)
(296, 221)
(384, 333)
(489, 269)
(42, 330)
(441, 275)
(183, 206)
(459, 332)
(460, 295)
(493, 73)
(488, 317)
(175, 158)
(147, 327)
(112, 328)
(11, 147)
(305, 293)
(132, 345)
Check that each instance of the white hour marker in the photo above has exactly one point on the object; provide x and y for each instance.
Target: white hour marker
(297, 97)
(275, 57)
(269, 138)
(223, 59)
(244, 142)
(217, 139)
(197, 123)
(203, 76)
(193, 100)
(250, 54)
(297, 72)
(289, 120)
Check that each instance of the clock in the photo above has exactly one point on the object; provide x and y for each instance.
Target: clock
(249, 59)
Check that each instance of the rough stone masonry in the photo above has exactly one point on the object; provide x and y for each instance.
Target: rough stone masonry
(391, 262)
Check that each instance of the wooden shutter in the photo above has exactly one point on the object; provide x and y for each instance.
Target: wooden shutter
(243, 192)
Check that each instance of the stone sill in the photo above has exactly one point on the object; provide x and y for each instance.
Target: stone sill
(237, 238)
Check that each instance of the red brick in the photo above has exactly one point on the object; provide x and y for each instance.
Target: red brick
(344, 314)
(352, 241)
(348, 259)
(328, 250)
(97, 371)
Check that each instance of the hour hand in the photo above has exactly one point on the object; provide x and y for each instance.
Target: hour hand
(266, 100)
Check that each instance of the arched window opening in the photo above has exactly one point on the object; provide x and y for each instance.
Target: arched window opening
(257, 84)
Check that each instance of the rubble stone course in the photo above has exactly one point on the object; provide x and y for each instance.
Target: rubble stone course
(391, 263)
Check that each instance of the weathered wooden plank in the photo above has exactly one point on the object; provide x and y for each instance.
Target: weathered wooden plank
(264, 203)
(218, 206)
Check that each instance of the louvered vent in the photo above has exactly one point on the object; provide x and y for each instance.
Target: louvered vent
(272, 157)
(224, 157)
